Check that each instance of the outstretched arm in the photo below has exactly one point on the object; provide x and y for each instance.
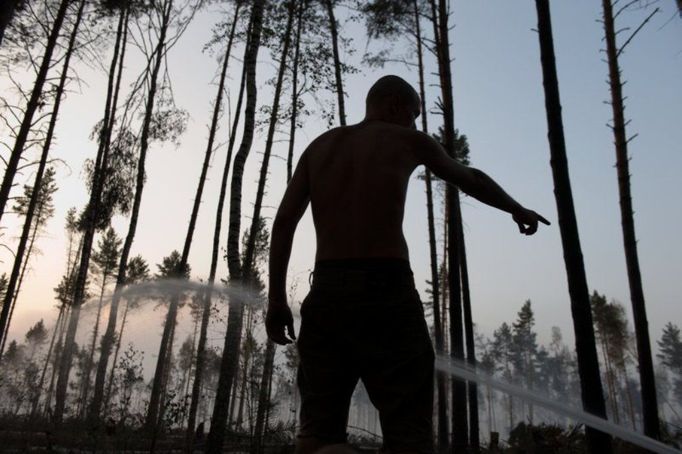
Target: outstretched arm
(293, 205)
(475, 183)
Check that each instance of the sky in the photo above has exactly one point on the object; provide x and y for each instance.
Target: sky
(499, 105)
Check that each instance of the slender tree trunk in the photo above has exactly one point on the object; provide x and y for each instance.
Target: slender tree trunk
(24, 267)
(91, 357)
(249, 259)
(230, 357)
(35, 194)
(631, 404)
(588, 363)
(206, 310)
(610, 381)
(173, 309)
(263, 400)
(233, 398)
(164, 380)
(36, 400)
(460, 436)
(472, 388)
(435, 284)
(152, 411)
(99, 175)
(249, 265)
(460, 431)
(443, 280)
(333, 27)
(243, 386)
(646, 367)
(109, 334)
(107, 395)
(57, 359)
(31, 107)
(294, 88)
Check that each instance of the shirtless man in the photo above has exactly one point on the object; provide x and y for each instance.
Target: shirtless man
(363, 318)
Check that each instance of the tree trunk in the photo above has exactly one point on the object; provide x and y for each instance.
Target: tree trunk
(206, 310)
(230, 357)
(57, 359)
(337, 61)
(35, 194)
(588, 364)
(460, 431)
(31, 107)
(646, 367)
(472, 387)
(460, 436)
(36, 400)
(107, 396)
(91, 357)
(294, 88)
(99, 174)
(249, 265)
(263, 398)
(36, 226)
(153, 408)
(442, 402)
(109, 334)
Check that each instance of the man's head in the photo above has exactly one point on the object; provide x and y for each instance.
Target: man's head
(393, 100)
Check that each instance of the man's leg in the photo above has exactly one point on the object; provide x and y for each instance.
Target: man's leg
(326, 380)
(399, 381)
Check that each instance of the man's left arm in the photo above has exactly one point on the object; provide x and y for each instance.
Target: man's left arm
(291, 209)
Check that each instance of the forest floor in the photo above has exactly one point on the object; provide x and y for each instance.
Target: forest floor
(76, 437)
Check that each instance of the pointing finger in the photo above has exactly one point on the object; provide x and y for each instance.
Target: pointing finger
(543, 220)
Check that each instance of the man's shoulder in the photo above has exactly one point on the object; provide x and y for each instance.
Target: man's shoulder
(326, 137)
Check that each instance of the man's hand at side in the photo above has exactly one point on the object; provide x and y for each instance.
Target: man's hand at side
(527, 220)
(277, 319)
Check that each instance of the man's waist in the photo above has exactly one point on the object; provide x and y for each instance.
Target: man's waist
(354, 272)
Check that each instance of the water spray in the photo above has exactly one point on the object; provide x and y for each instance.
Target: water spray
(465, 372)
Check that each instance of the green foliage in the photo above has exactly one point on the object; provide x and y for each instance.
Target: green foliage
(45, 203)
(107, 253)
(171, 266)
(670, 347)
(65, 289)
(611, 327)
(388, 18)
(36, 336)
(137, 270)
(129, 386)
(670, 354)
(119, 180)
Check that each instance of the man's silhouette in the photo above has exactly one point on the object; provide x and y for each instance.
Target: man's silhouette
(363, 318)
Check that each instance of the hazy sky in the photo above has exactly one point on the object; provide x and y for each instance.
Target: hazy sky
(499, 105)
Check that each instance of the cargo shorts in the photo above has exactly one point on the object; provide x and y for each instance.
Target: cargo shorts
(364, 320)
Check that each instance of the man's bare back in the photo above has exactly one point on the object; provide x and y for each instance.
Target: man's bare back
(356, 179)
(358, 182)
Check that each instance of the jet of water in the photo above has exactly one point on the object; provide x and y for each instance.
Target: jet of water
(463, 371)
(165, 288)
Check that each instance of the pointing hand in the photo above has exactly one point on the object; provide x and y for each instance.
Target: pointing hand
(527, 220)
